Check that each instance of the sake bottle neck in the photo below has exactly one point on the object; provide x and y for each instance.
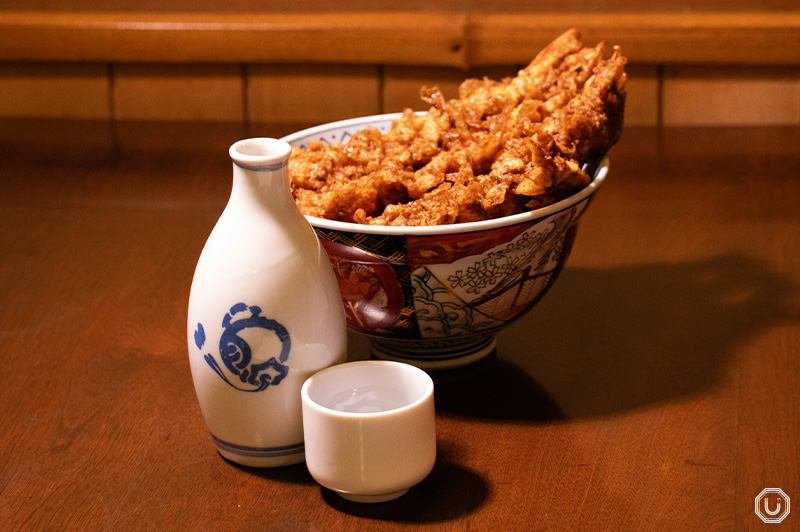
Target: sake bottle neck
(261, 173)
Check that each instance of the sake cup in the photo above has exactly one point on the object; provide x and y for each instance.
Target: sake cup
(369, 428)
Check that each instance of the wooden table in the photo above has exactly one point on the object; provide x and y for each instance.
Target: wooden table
(656, 387)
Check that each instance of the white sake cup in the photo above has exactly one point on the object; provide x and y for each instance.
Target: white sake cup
(369, 428)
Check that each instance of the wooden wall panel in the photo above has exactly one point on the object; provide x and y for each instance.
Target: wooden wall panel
(54, 90)
(428, 37)
(671, 96)
(311, 93)
(643, 100)
(365, 38)
(723, 64)
(757, 37)
(657, 95)
(178, 92)
(731, 96)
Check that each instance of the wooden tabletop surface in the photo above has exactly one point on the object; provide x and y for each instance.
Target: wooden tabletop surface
(656, 387)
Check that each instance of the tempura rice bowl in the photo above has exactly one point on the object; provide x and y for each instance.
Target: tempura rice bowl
(436, 296)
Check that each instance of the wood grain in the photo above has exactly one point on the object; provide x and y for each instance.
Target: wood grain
(731, 96)
(356, 38)
(654, 388)
(643, 105)
(314, 93)
(723, 65)
(461, 39)
(211, 93)
(455, 6)
(661, 38)
(55, 90)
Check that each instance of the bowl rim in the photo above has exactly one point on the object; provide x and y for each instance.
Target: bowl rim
(598, 177)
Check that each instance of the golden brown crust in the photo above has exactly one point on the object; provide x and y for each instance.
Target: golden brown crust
(502, 147)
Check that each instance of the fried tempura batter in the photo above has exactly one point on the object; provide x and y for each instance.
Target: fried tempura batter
(500, 148)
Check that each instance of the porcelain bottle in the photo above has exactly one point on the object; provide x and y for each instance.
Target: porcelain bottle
(264, 313)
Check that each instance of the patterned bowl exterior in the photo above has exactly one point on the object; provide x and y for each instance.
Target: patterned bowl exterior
(434, 289)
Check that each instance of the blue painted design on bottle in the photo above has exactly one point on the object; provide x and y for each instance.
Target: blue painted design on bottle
(237, 355)
(200, 336)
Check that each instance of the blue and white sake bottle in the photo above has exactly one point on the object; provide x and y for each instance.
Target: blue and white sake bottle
(264, 313)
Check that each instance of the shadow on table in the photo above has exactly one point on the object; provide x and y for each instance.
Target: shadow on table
(449, 492)
(493, 388)
(604, 342)
(292, 474)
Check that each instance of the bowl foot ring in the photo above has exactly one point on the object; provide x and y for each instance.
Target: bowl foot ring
(385, 497)
(436, 358)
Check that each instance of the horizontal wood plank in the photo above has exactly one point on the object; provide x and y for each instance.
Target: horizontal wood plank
(694, 96)
(643, 102)
(345, 6)
(55, 89)
(206, 93)
(458, 39)
(311, 93)
(371, 38)
(660, 38)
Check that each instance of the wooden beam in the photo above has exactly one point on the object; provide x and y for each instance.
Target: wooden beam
(355, 38)
(656, 38)
(461, 40)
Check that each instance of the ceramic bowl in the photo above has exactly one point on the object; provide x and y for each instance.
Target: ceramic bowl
(435, 296)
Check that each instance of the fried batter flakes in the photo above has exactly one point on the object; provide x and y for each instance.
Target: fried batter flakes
(501, 148)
